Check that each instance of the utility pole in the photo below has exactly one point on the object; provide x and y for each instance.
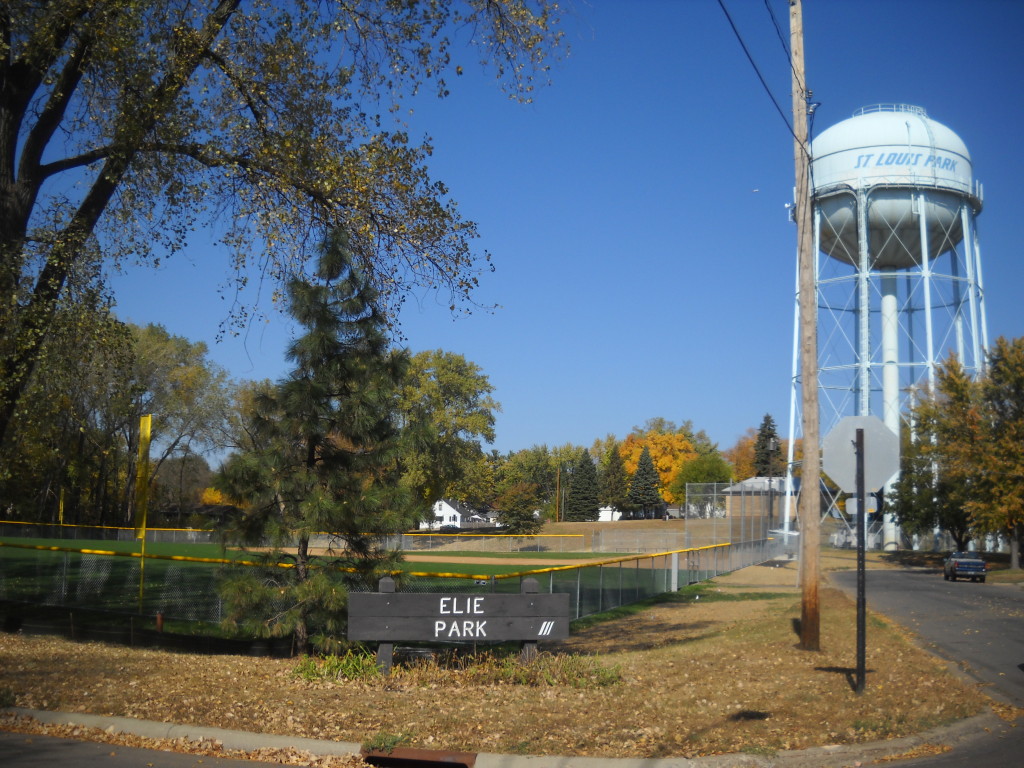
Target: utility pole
(810, 506)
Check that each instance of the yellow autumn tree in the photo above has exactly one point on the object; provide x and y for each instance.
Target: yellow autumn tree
(669, 452)
(213, 497)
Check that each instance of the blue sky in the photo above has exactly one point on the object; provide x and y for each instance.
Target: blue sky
(636, 210)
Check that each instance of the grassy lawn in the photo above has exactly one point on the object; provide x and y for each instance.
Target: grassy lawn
(155, 548)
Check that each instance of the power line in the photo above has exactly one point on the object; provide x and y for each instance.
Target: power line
(757, 70)
(811, 106)
(778, 32)
(750, 58)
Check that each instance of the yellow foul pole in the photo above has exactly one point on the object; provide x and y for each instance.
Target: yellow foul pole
(142, 496)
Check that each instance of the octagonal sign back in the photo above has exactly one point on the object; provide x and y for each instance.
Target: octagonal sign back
(881, 453)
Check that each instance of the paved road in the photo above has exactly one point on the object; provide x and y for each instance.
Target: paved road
(979, 626)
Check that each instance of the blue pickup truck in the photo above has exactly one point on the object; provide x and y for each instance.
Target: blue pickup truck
(963, 565)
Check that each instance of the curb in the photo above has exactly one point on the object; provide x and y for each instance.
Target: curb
(151, 729)
(835, 756)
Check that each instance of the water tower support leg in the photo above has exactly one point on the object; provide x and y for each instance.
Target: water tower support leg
(890, 383)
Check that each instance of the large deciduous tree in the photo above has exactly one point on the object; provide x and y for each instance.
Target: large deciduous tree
(187, 394)
(70, 452)
(926, 496)
(447, 410)
(518, 510)
(999, 507)
(706, 468)
(741, 455)
(125, 127)
(327, 440)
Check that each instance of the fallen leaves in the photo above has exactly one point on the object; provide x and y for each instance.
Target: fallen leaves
(689, 673)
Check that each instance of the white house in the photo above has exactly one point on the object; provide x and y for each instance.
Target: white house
(452, 513)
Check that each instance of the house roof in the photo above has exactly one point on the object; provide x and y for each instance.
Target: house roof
(761, 485)
(463, 509)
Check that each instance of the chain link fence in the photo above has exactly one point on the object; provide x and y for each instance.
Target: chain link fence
(67, 532)
(66, 568)
(187, 590)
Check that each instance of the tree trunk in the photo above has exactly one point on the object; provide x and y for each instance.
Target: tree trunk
(301, 574)
(1015, 547)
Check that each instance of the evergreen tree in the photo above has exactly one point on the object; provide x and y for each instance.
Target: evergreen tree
(644, 495)
(582, 504)
(614, 480)
(767, 450)
(324, 461)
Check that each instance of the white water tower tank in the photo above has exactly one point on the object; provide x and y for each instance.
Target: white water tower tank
(891, 149)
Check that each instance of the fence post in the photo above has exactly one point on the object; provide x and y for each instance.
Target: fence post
(674, 573)
(579, 579)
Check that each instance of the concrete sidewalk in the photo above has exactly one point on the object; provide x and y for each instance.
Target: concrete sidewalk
(960, 734)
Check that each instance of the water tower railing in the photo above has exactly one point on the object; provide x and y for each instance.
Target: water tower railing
(909, 108)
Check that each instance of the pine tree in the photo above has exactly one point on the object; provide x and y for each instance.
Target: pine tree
(644, 496)
(614, 480)
(582, 504)
(325, 460)
(767, 452)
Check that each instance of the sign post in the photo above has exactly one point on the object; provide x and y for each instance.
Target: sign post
(388, 617)
(868, 471)
(861, 581)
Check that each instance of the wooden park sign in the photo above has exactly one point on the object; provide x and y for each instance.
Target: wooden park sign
(387, 617)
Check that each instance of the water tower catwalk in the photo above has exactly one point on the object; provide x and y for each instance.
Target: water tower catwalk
(898, 267)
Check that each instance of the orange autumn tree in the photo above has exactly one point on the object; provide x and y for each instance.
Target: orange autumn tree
(669, 450)
(741, 455)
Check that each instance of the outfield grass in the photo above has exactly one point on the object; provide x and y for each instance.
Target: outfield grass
(155, 548)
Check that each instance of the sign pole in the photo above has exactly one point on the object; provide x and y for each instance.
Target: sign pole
(386, 651)
(861, 603)
(528, 650)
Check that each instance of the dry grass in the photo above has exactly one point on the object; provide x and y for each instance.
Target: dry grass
(701, 676)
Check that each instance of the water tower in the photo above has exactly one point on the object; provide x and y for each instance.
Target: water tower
(898, 268)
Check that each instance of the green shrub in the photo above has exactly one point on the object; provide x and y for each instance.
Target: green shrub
(352, 665)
